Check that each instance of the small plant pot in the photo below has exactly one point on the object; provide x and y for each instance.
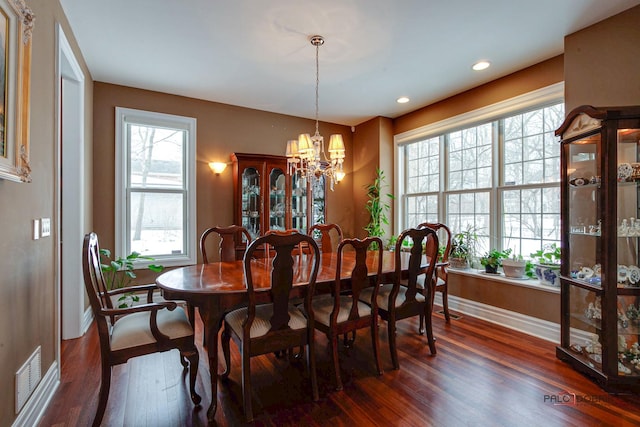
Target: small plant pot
(548, 274)
(514, 268)
(491, 269)
(458, 262)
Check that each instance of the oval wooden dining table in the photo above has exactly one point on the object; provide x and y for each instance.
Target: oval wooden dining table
(217, 288)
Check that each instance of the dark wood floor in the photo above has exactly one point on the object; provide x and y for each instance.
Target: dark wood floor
(483, 375)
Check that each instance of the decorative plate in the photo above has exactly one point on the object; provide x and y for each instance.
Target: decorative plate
(625, 170)
(622, 273)
(634, 274)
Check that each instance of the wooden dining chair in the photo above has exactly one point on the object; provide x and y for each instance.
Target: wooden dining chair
(338, 313)
(135, 331)
(330, 236)
(403, 298)
(276, 326)
(299, 249)
(230, 240)
(441, 275)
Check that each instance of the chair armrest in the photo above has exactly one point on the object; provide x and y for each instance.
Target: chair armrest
(137, 288)
(154, 306)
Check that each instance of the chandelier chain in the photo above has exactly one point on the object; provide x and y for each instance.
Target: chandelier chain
(317, 83)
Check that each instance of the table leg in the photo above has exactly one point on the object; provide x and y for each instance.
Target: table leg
(211, 320)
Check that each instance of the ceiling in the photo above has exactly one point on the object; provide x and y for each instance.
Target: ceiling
(257, 54)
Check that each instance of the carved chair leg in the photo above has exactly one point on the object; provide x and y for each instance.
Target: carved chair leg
(445, 303)
(311, 365)
(194, 359)
(421, 327)
(224, 341)
(391, 329)
(430, 338)
(183, 361)
(246, 386)
(105, 384)
(336, 361)
(376, 345)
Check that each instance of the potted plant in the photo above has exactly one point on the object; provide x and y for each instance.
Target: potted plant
(547, 264)
(118, 273)
(516, 267)
(493, 259)
(376, 206)
(463, 246)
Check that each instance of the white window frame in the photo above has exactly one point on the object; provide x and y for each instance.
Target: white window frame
(122, 193)
(540, 97)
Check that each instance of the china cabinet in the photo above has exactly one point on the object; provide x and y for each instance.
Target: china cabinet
(267, 198)
(600, 275)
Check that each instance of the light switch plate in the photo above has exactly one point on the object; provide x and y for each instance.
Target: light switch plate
(45, 227)
(36, 229)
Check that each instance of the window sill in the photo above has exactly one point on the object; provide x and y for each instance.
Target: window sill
(525, 283)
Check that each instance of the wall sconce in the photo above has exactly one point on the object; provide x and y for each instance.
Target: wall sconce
(217, 167)
(340, 176)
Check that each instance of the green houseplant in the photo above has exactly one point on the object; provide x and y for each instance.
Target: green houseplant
(493, 259)
(547, 264)
(377, 207)
(119, 273)
(463, 247)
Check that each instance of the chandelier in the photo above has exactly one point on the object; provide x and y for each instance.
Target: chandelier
(306, 155)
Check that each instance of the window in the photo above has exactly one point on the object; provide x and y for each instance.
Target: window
(155, 186)
(496, 170)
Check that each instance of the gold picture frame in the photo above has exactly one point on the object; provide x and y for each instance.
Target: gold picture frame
(16, 27)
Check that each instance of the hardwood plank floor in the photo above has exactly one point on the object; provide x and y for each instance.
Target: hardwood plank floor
(483, 375)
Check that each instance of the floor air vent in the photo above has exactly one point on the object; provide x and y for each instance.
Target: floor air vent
(27, 378)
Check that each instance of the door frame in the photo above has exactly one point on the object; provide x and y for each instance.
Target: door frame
(70, 173)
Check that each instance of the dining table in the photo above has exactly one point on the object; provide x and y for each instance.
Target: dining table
(217, 288)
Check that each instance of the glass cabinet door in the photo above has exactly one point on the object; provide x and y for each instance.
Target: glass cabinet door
(628, 233)
(318, 206)
(277, 200)
(299, 203)
(251, 201)
(584, 249)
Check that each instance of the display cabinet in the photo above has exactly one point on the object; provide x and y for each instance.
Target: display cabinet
(266, 198)
(600, 275)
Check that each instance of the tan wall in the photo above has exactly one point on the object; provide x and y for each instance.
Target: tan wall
(27, 283)
(221, 130)
(602, 63)
(524, 81)
(373, 148)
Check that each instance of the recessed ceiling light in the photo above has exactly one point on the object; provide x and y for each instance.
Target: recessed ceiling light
(481, 65)
(402, 100)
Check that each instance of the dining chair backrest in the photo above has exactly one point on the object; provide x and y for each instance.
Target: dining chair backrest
(282, 275)
(299, 249)
(230, 240)
(423, 242)
(330, 235)
(360, 274)
(441, 274)
(444, 237)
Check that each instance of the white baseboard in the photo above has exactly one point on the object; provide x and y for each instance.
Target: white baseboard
(86, 320)
(37, 404)
(529, 325)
